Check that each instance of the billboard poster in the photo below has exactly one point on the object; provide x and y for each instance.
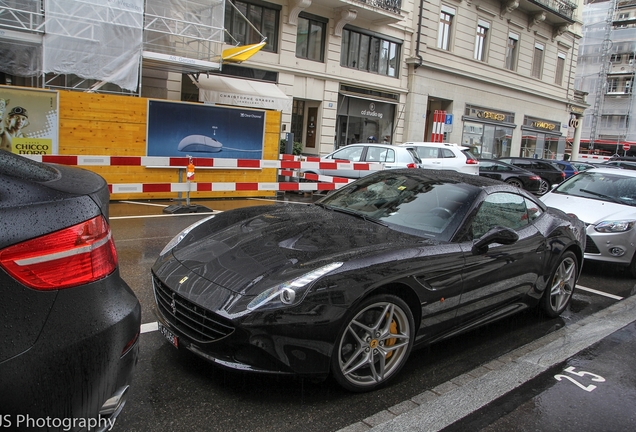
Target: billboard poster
(199, 130)
(28, 120)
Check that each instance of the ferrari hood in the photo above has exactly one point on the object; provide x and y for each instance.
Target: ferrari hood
(281, 244)
(590, 211)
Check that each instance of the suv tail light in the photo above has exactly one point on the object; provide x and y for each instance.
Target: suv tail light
(411, 165)
(73, 256)
(472, 161)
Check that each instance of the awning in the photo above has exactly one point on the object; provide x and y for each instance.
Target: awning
(241, 92)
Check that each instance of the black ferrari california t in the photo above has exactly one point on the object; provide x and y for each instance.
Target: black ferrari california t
(349, 285)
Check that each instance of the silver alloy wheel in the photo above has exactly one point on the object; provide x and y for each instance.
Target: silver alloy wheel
(374, 344)
(515, 182)
(544, 187)
(562, 285)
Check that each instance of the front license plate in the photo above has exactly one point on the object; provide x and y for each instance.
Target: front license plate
(169, 335)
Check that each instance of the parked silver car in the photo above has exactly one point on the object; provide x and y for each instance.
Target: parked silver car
(605, 199)
(389, 155)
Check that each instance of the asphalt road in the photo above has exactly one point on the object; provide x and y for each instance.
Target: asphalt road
(176, 391)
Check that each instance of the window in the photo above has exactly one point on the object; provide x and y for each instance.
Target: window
(480, 40)
(511, 51)
(612, 85)
(370, 52)
(264, 18)
(310, 37)
(444, 31)
(560, 67)
(616, 58)
(628, 85)
(350, 153)
(381, 155)
(446, 153)
(298, 119)
(537, 61)
(504, 209)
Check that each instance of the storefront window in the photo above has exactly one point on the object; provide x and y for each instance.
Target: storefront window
(362, 121)
(542, 145)
(487, 141)
(540, 139)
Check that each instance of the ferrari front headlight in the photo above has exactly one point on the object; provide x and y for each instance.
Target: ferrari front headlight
(614, 226)
(292, 292)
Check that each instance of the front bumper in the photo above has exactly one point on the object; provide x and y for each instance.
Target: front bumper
(610, 247)
(296, 340)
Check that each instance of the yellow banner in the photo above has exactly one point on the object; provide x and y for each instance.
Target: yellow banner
(32, 146)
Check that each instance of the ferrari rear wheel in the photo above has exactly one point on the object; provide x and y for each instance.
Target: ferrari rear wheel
(558, 293)
(374, 345)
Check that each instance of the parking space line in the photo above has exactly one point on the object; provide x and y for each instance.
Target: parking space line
(149, 327)
(143, 203)
(612, 296)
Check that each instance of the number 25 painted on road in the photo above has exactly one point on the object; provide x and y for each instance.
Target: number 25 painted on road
(589, 388)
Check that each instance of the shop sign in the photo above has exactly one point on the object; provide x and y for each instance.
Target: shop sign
(542, 124)
(369, 109)
(489, 115)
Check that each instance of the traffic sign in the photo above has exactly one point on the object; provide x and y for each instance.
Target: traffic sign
(626, 147)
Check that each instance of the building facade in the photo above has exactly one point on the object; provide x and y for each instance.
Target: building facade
(503, 70)
(345, 71)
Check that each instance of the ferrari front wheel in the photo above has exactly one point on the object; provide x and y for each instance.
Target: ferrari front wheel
(374, 345)
(561, 285)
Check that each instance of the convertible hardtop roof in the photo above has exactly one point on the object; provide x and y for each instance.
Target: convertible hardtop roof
(444, 175)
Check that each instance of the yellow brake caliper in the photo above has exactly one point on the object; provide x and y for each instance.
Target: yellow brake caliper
(390, 342)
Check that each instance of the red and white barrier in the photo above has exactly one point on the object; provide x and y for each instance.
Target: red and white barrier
(294, 162)
(220, 187)
(439, 118)
(593, 158)
(288, 165)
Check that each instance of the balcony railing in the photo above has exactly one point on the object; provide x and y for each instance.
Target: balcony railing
(387, 5)
(562, 7)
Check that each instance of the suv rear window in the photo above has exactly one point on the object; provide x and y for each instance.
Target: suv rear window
(416, 157)
(469, 155)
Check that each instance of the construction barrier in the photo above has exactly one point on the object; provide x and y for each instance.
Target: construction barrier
(289, 162)
(288, 165)
(593, 158)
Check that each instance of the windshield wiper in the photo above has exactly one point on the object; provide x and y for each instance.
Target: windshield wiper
(600, 195)
(357, 214)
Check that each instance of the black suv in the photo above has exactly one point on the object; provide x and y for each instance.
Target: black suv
(550, 174)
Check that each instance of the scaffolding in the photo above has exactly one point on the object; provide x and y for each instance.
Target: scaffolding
(605, 70)
(94, 45)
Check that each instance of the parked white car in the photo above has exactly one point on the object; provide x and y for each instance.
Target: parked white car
(445, 156)
(605, 199)
(389, 155)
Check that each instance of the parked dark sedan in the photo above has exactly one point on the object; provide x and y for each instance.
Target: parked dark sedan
(351, 283)
(510, 174)
(550, 174)
(70, 324)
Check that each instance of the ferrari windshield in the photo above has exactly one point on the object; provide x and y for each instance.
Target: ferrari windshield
(424, 204)
(602, 186)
